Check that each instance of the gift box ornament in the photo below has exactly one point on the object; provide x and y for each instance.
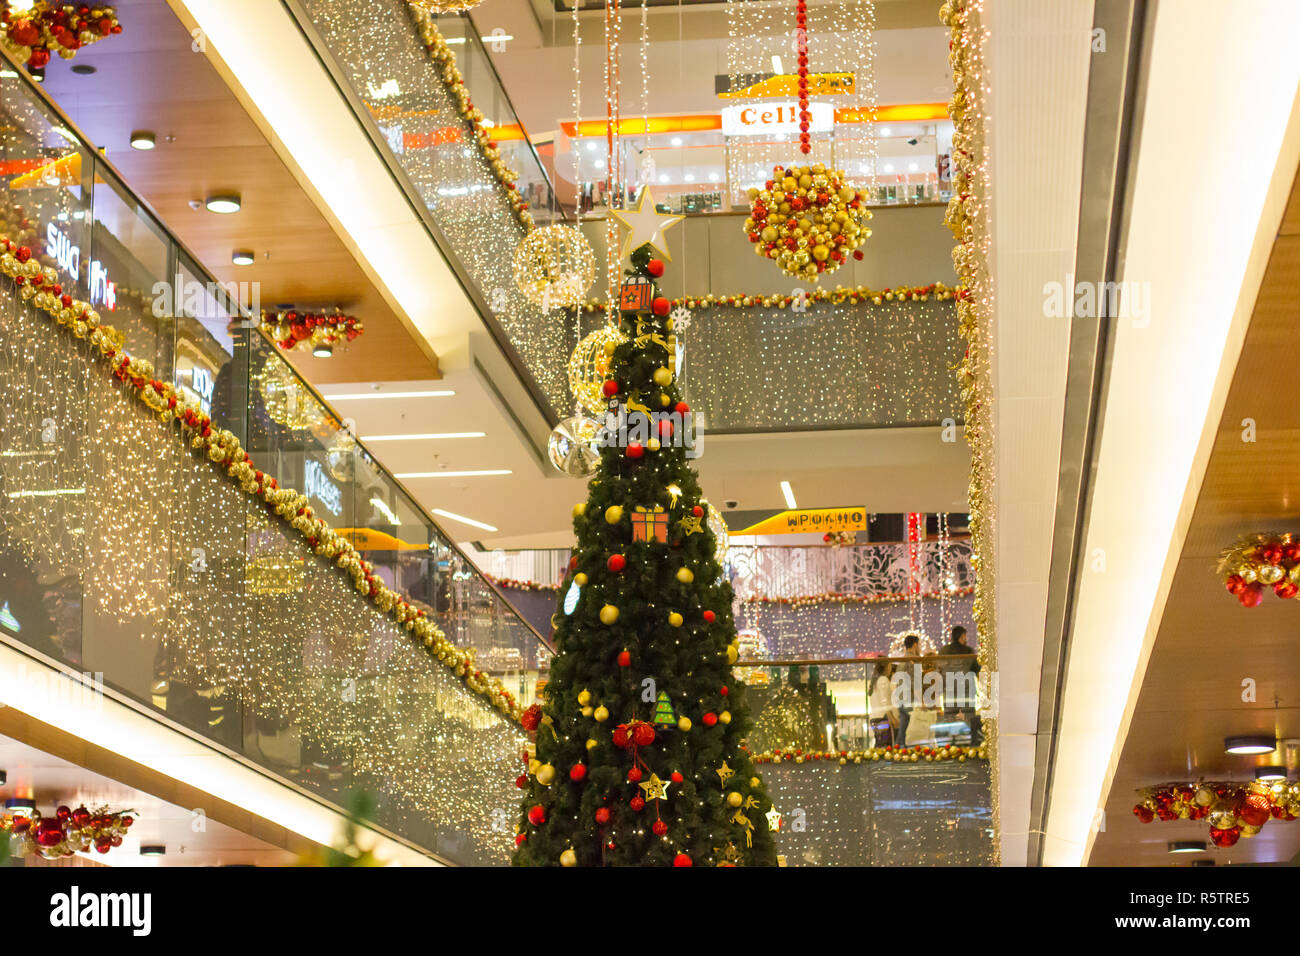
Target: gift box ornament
(636, 294)
(650, 524)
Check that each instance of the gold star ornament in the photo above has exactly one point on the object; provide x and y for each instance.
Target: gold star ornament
(773, 819)
(725, 773)
(646, 225)
(655, 789)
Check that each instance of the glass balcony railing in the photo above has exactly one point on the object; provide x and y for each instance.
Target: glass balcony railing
(125, 553)
(876, 762)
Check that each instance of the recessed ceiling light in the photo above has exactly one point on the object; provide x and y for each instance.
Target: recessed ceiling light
(20, 803)
(37, 73)
(153, 849)
(483, 473)
(714, 177)
(323, 350)
(889, 167)
(223, 203)
(789, 495)
(676, 141)
(1270, 774)
(663, 177)
(1250, 744)
(83, 69)
(463, 520)
(884, 131)
(358, 396)
(243, 257)
(689, 177)
(1187, 846)
(430, 437)
(142, 139)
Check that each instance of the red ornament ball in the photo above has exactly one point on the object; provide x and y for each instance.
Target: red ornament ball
(537, 815)
(1145, 814)
(1225, 838)
(635, 450)
(622, 736)
(634, 775)
(602, 815)
(710, 616)
(655, 267)
(681, 859)
(1251, 594)
(643, 735)
(532, 717)
(577, 772)
(624, 659)
(697, 511)
(724, 691)
(660, 828)
(616, 563)
(637, 803)
(710, 719)
(676, 777)
(610, 388)
(521, 781)
(660, 305)
(681, 408)
(519, 839)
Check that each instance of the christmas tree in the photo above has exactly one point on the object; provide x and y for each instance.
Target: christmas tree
(651, 634)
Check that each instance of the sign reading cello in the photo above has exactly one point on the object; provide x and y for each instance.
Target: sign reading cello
(810, 521)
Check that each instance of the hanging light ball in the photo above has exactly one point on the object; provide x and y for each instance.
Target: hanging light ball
(341, 458)
(285, 399)
(574, 446)
(589, 367)
(554, 266)
(721, 537)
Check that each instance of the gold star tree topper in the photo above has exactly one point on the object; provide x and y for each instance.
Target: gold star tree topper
(646, 225)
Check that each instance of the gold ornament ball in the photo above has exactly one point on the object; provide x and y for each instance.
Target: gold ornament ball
(734, 799)
(663, 377)
(608, 614)
(732, 654)
(675, 619)
(613, 514)
(584, 697)
(546, 774)
(683, 724)
(592, 743)
(568, 858)
(653, 444)
(602, 714)
(580, 509)
(685, 575)
(1271, 574)
(534, 765)
(725, 717)
(580, 579)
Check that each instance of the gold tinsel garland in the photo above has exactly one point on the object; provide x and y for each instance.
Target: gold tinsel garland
(967, 217)
(39, 286)
(455, 83)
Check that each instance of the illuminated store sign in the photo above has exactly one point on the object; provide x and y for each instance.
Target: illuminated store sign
(767, 119)
(317, 486)
(68, 256)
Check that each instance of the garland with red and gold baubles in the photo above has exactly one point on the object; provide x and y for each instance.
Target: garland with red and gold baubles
(1258, 561)
(801, 44)
(914, 754)
(31, 35)
(1232, 810)
(67, 831)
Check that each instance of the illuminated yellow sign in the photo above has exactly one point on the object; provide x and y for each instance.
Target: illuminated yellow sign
(787, 84)
(810, 521)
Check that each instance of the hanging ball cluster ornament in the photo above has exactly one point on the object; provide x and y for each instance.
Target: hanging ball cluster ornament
(808, 220)
(554, 266)
(30, 32)
(66, 832)
(314, 332)
(589, 367)
(574, 446)
(1259, 561)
